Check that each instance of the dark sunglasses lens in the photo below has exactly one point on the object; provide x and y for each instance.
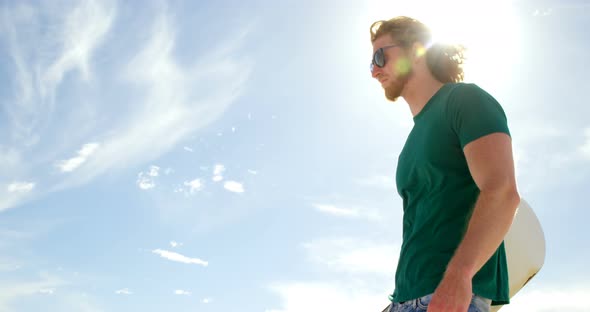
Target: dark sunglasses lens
(378, 59)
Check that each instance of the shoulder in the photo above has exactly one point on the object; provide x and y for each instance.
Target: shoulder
(466, 92)
(471, 98)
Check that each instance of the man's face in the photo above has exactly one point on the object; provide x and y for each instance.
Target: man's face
(396, 69)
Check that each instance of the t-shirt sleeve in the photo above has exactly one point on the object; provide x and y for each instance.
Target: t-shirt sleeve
(474, 113)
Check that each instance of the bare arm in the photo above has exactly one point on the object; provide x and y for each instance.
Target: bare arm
(491, 165)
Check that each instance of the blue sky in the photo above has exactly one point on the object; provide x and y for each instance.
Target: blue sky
(185, 156)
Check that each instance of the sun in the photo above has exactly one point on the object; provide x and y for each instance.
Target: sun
(488, 29)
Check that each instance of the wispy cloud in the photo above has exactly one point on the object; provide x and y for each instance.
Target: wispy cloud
(355, 212)
(10, 160)
(47, 291)
(16, 192)
(42, 56)
(353, 256)
(173, 256)
(7, 265)
(124, 291)
(336, 211)
(234, 187)
(363, 270)
(20, 187)
(164, 100)
(206, 300)
(182, 292)
(75, 162)
(84, 29)
(13, 290)
(178, 101)
(378, 181)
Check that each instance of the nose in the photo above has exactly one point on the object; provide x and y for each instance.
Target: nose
(375, 71)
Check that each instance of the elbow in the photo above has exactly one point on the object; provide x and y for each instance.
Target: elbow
(513, 198)
(506, 195)
(510, 197)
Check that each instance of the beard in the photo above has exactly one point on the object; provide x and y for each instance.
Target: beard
(394, 89)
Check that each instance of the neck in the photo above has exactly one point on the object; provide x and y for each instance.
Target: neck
(419, 90)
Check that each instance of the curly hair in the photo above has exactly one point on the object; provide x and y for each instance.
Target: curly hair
(445, 61)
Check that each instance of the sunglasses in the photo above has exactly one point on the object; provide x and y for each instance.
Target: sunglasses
(379, 57)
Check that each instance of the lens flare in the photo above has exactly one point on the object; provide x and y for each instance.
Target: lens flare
(402, 66)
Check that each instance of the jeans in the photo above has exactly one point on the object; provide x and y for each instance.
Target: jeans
(478, 304)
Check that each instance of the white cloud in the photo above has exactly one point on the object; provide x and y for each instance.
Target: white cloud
(218, 172)
(252, 171)
(182, 292)
(154, 171)
(218, 169)
(14, 193)
(333, 210)
(145, 182)
(75, 162)
(173, 256)
(20, 187)
(175, 244)
(124, 291)
(206, 300)
(354, 256)
(233, 186)
(194, 185)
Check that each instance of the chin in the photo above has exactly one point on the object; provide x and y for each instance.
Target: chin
(392, 93)
(394, 90)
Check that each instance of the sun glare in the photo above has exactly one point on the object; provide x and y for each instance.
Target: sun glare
(488, 29)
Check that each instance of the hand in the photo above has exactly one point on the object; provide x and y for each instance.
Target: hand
(453, 294)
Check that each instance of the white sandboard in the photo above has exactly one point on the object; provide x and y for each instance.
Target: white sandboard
(525, 249)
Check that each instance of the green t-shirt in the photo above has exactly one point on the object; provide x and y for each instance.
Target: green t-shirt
(439, 193)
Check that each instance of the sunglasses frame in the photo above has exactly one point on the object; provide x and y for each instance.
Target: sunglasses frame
(381, 52)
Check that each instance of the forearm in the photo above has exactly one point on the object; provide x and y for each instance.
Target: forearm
(489, 223)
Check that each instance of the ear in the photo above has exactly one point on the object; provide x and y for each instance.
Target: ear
(418, 51)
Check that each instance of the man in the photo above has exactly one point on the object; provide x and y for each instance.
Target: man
(455, 175)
